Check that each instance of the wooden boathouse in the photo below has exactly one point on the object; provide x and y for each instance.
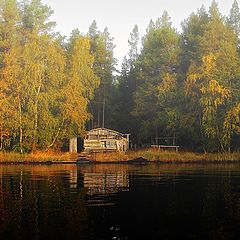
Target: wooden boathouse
(103, 139)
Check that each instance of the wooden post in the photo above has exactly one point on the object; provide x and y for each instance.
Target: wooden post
(128, 139)
(103, 108)
(73, 145)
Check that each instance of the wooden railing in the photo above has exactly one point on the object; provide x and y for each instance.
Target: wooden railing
(166, 147)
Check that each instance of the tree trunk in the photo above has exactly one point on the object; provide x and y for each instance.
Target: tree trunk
(20, 126)
(36, 118)
(98, 110)
(56, 136)
(35, 127)
(1, 138)
(202, 135)
(103, 109)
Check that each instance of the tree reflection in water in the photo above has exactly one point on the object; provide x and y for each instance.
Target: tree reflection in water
(119, 201)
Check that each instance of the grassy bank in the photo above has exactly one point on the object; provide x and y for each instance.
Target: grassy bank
(167, 156)
(39, 156)
(150, 154)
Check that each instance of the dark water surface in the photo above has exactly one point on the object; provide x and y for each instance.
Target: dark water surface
(120, 202)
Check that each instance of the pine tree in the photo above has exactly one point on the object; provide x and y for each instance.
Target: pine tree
(124, 120)
(9, 25)
(133, 44)
(104, 64)
(156, 65)
(234, 18)
(35, 16)
(192, 30)
(163, 21)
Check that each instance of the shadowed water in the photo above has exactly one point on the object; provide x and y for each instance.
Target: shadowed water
(120, 202)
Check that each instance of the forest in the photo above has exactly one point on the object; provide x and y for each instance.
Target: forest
(183, 85)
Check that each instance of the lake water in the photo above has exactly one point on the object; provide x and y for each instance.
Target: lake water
(120, 202)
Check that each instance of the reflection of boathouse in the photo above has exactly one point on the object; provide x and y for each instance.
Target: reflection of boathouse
(103, 139)
(106, 183)
(99, 182)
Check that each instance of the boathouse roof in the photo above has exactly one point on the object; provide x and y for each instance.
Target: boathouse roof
(103, 131)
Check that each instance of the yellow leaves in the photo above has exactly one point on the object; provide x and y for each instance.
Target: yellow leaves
(232, 119)
(53, 85)
(231, 124)
(168, 84)
(209, 63)
(208, 113)
(191, 84)
(198, 76)
(80, 67)
(80, 85)
(204, 88)
(214, 94)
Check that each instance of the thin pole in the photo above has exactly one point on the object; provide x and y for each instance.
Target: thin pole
(98, 109)
(103, 110)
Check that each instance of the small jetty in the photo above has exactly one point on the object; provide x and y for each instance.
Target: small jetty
(139, 160)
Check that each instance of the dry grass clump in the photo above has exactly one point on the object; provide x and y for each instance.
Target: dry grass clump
(152, 155)
(52, 156)
(168, 156)
(38, 156)
(12, 157)
(185, 157)
(224, 157)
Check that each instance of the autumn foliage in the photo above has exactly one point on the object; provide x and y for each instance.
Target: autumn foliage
(46, 84)
(184, 86)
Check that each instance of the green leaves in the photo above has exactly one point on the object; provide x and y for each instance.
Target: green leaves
(211, 83)
(156, 78)
(187, 85)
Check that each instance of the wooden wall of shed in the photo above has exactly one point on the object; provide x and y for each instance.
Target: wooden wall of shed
(73, 145)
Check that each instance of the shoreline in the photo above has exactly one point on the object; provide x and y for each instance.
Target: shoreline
(118, 162)
(145, 156)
